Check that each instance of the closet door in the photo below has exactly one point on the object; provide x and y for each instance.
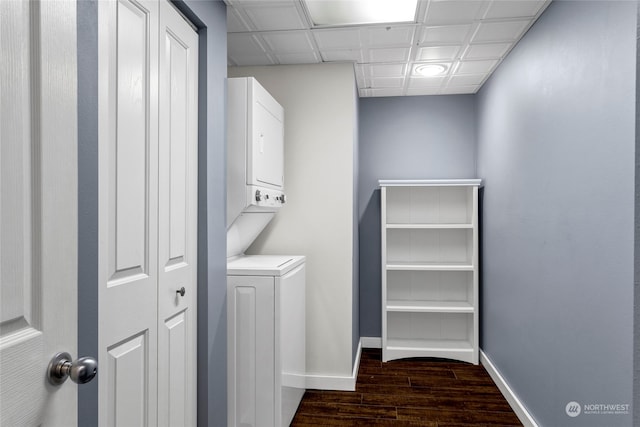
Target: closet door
(128, 212)
(177, 220)
(147, 209)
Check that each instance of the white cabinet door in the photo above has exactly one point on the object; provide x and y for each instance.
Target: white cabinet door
(38, 209)
(177, 223)
(267, 139)
(128, 212)
(251, 352)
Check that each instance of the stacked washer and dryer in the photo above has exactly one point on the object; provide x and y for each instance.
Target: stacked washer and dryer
(265, 293)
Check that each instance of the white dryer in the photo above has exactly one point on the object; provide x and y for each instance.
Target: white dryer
(266, 351)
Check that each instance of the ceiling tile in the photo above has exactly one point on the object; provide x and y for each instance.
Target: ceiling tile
(298, 58)
(385, 92)
(514, 9)
(269, 16)
(421, 91)
(487, 51)
(387, 82)
(467, 80)
(459, 90)
(387, 70)
(243, 43)
(388, 36)
(288, 41)
(454, 11)
(450, 34)
(470, 37)
(235, 23)
(476, 67)
(343, 55)
(421, 82)
(397, 54)
(499, 31)
(437, 53)
(338, 39)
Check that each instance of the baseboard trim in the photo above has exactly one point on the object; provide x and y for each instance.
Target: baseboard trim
(335, 382)
(371, 342)
(516, 404)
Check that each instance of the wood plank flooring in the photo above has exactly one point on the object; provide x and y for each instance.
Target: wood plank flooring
(410, 392)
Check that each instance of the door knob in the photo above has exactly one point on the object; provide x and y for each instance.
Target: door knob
(181, 291)
(81, 371)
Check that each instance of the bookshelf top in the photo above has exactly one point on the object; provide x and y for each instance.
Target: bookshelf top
(429, 182)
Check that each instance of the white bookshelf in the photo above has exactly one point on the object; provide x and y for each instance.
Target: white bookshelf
(430, 269)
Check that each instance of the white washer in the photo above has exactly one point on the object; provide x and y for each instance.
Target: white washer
(266, 339)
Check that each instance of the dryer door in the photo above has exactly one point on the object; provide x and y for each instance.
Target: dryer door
(266, 161)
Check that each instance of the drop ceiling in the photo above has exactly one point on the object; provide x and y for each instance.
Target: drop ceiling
(469, 37)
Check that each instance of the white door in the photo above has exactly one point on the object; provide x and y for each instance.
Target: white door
(147, 208)
(38, 209)
(177, 221)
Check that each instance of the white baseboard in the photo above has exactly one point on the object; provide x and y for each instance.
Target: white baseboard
(334, 382)
(371, 342)
(516, 404)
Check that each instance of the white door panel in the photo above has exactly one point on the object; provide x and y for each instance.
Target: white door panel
(38, 209)
(177, 220)
(128, 203)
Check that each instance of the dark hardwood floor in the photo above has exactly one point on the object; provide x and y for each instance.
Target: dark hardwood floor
(410, 392)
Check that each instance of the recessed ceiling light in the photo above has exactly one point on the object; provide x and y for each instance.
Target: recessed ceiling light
(358, 12)
(430, 70)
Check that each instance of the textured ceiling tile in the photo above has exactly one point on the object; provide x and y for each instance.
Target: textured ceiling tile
(514, 9)
(297, 58)
(338, 39)
(342, 55)
(499, 31)
(476, 67)
(268, 16)
(387, 70)
(421, 91)
(437, 53)
(235, 24)
(397, 54)
(288, 41)
(388, 36)
(387, 82)
(385, 92)
(243, 44)
(451, 34)
(422, 82)
(453, 11)
(487, 51)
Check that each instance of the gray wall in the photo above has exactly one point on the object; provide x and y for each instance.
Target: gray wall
(210, 18)
(405, 138)
(87, 22)
(556, 136)
(636, 279)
